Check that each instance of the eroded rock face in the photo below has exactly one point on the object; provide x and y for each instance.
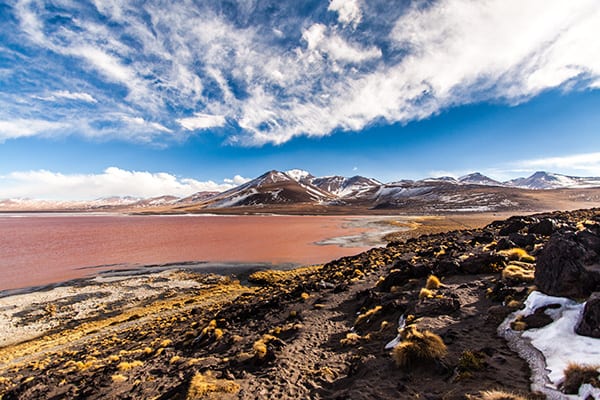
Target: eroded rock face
(590, 320)
(568, 267)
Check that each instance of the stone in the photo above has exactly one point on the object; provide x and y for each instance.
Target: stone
(522, 240)
(483, 263)
(566, 268)
(513, 227)
(590, 319)
(545, 227)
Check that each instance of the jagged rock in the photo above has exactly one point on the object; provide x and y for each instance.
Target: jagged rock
(539, 318)
(522, 240)
(483, 263)
(590, 320)
(436, 306)
(513, 227)
(446, 267)
(484, 237)
(567, 268)
(545, 227)
(505, 244)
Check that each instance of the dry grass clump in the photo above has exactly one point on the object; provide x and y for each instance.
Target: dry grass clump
(274, 276)
(426, 294)
(206, 386)
(517, 273)
(496, 395)
(118, 378)
(304, 296)
(471, 361)
(260, 346)
(125, 366)
(363, 317)
(433, 282)
(350, 339)
(577, 375)
(517, 254)
(417, 346)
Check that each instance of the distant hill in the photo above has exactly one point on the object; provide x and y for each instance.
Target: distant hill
(298, 189)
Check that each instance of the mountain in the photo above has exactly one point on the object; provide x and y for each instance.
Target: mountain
(478, 179)
(542, 180)
(273, 187)
(196, 198)
(355, 187)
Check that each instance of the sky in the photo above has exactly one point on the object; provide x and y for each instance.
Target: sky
(117, 97)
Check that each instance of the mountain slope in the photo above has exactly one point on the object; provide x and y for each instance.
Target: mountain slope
(547, 180)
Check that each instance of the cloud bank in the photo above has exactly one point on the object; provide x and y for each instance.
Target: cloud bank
(266, 72)
(113, 181)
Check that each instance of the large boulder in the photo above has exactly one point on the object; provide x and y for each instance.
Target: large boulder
(545, 227)
(567, 267)
(590, 320)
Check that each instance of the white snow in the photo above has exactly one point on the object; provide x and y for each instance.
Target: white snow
(297, 174)
(558, 342)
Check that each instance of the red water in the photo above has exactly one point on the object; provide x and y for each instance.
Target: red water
(42, 249)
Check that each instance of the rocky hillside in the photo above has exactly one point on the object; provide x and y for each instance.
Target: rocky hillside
(416, 319)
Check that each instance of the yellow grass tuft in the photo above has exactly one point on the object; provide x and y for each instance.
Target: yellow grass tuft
(577, 375)
(174, 360)
(517, 273)
(118, 378)
(304, 296)
(496, 395)
(518, 326)
(426, 294)
(433, 282)
(363, 317)
(418, 347)
(350, 339)
(206, 386)
(517, 254)
(125, 366)
(166, 343)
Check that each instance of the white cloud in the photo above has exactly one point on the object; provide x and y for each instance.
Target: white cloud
(141, 122)
(349, 11)
(28, 127)
(317, 39)
(575, 164)
(201, 121)
(48, 185)
(314, 78)
(65, 94)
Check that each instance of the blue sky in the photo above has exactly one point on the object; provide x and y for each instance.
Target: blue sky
(137, 98)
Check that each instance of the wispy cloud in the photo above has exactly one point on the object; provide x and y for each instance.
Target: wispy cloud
(201, 121)
(19, 128)
(113, 181)
(586, 164)
(65, 94)
(280, 74)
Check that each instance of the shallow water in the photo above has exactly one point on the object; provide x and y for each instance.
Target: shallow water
(39, 249)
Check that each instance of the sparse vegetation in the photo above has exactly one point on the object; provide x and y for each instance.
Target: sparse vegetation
(125, 366)
(350, 339)
(418, 347)
(517, 254)
(433, 282)
(577, 375)
(364, 317)
(517, 273)
(118, 378)
(426, 294)
(496, 395)
(206, 386)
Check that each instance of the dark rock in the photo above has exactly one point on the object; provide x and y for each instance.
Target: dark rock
(504, 244)
(513, 227)
(483, 263)
(484, 237)
(566, 268)
(446, 267)
(590, 320)
(545, 227)
(589, 240)
(436, 306)
(538, 319)
(522, 240)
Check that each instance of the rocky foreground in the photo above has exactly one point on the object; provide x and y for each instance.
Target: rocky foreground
(325, 331)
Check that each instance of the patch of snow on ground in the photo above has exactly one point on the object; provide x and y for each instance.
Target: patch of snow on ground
(558, 342)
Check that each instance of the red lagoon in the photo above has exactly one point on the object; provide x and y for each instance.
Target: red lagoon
(42, 249)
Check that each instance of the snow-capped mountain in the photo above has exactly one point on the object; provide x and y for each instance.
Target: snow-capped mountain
(478, 179)
(273, 187)
(547, 180)
(196, 198)
(348, 188)
(300, 175)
